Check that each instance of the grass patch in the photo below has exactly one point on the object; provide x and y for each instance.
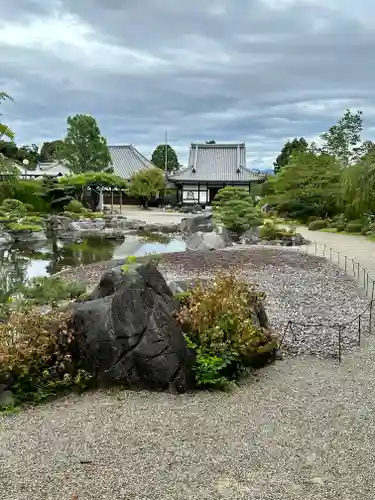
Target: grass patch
(51, 290)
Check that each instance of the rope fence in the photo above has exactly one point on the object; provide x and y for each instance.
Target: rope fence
(341, 335)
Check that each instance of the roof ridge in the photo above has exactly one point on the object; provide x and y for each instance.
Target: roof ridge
(142, 157)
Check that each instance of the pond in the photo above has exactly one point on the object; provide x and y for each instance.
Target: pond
(20, 263)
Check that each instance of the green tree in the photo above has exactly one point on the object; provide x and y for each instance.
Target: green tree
(147, 184)
(210, 142)
(6, 164)
(290, 148)
(158, 158)
(84, 149)
(309, 185)
(50, 150)
(359, 186)
(343, 140)
(235, 209)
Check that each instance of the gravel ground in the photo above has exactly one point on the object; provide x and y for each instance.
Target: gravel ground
(303, 430)
(309, 291)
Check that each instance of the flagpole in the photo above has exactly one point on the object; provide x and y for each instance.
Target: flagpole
(166, 152)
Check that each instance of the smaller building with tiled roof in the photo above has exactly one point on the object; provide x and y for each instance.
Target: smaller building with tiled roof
(127, 161)
(212, 167)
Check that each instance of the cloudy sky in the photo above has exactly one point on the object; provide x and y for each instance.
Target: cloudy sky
(259, 71)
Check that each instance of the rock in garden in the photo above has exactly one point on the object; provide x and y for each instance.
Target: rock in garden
(251, 236)
(205, 241)
(5, 239)
(201, 223)
(29, 236)
(127, 332)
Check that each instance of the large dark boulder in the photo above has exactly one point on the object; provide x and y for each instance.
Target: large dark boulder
(197, 223)
(126, 332)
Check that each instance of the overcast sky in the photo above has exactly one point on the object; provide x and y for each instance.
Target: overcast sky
(229, 70)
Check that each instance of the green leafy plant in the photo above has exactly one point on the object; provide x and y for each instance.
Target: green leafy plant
(131, 259)
(219, 323)
(234, 208)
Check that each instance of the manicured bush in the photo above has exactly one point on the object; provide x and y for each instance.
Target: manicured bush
(24, 227)
(318, 224)
(221, 330)
(75, 206)
(353, 227)
(12, 205)
(71, 215)
(35, 359)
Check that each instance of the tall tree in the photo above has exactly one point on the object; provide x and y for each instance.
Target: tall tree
(290, 148)
(84, 148)
(6, 165)
(147, 184)
(308, 185)
(359, 186)
(343, 140)
(50, 150)
(158, 158)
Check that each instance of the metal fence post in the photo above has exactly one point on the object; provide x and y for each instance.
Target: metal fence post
(316, 248)
(373, 290)
(330, 253)
(324, 250)
(340, 334)
(359, 330)
(338, 259)
(370, 319)
(346, 264)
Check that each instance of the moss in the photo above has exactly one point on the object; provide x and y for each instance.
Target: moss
(27, 228)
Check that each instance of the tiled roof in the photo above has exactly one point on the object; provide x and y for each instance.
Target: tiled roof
(127, 161)
(217, 162)
(52, 169)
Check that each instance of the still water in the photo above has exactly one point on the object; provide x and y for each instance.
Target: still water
(20, 263)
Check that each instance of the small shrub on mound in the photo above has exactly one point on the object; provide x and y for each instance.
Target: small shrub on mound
(353, 227)
(24, 227)
(318, 224)
(10, 205)
(71, 215)
(75, 206)
(268, 231)
(35, 360)
(221, 328)
(51, 290)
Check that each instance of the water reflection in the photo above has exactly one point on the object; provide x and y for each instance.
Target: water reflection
(19, 263)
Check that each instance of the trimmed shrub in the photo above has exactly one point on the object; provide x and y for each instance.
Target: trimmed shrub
(353, 227)
(71, 215)
(268, 231)
(318, 224)
(220, 329)
(312, 218)
(75, 206)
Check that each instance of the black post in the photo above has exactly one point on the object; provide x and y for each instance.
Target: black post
(370, 319)
(338, 258)
(353, 265)
(359, 330)
(364, 279)
(358, 271)
(330, 254)
(324, 250)
(346, 264)
(373, 290)
(340, 333)
(316, 248)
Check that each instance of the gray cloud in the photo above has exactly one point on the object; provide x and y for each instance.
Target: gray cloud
(238, 70)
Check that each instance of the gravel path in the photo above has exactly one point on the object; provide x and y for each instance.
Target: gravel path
(304, 430)
(300, 429)
(351, 245)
